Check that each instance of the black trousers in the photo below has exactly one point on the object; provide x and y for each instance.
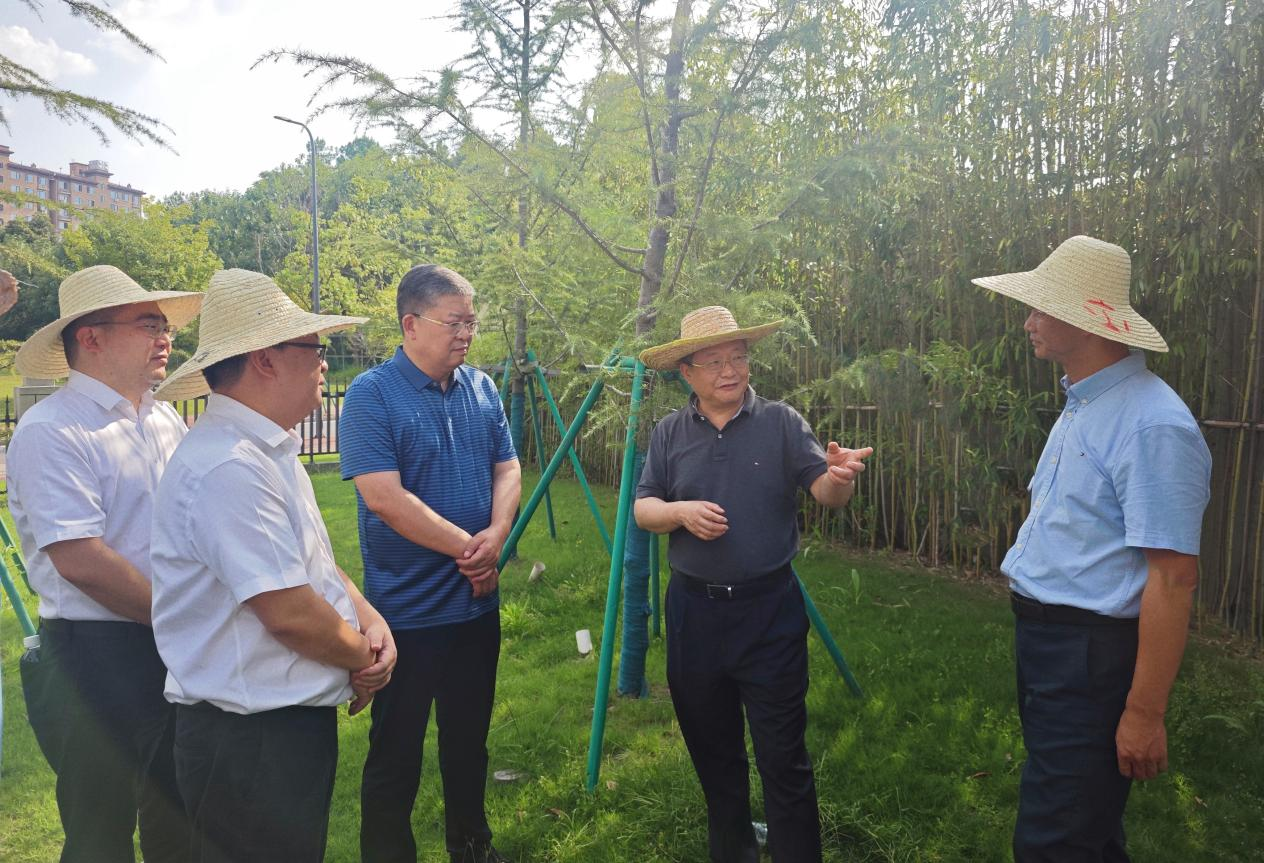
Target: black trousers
(1073, 681)
(96, 705)
(453, 667)
(257, 786)
(726, 655)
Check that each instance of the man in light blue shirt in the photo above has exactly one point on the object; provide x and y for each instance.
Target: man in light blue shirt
(1103, 570)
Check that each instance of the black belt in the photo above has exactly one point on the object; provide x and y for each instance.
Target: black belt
(1031, 609)
(756, 587)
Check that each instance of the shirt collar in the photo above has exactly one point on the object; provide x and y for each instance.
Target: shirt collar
(253, 423)
(106, 396)
(747, 401)
(1100, 381)
(416, 376)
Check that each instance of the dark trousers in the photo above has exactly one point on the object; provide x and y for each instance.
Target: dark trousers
(96, 705)
(257, 786)
(726, 655)
(453, 666)
(1073, 680)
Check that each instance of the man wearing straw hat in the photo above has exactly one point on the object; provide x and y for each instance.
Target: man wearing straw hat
(1103, 570)
(424, 438)
(263, 635)
(722, 478)
(84, 464)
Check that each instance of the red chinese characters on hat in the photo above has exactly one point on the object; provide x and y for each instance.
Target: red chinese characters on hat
(1099, 308)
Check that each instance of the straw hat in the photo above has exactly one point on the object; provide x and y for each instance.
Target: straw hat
(91, 290)
(244, 312)
(1083, 283)
(702, 328)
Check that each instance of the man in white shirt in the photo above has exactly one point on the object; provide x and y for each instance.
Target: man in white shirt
(83, 467)
(262, 633)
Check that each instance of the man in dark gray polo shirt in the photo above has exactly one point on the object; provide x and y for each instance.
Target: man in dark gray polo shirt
(722, 478)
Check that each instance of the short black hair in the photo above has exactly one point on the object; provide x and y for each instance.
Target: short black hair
(225, 373)
(423, 285)
(69, 342)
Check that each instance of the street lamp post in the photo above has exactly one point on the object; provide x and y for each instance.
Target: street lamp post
(315, 236)
(311, 140)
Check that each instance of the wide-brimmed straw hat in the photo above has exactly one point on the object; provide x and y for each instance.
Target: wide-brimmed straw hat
(1084, 283)
(244, 312)
(91, 290)
(702, 328)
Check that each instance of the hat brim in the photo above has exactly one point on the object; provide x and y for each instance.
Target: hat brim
(188, 382)
(1122, 325)
(44, 356)
(665, 357)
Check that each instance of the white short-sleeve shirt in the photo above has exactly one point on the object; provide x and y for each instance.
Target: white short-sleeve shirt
(85, 463)
(235, 516)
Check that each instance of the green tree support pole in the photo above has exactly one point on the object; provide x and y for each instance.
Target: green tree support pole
(614, 589)
(547, 477)
(24, 619)
(536, 429)
(505, 377)
(823, 631)
(574, 457)
(654, 589)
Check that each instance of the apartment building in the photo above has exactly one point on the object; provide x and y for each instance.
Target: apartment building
(64, 196)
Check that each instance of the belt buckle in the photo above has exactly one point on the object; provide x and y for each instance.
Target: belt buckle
(719, 591)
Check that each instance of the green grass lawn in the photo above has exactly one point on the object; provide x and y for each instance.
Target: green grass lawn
(924, 768)
(8, 380)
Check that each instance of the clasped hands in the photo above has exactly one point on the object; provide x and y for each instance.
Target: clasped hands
(478, 561)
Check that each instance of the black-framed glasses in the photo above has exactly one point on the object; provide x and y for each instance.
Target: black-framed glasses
(319, 347)
(454, 327)
(716, 367)
(155, 329)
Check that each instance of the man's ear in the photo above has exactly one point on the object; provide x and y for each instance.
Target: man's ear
(262, 362)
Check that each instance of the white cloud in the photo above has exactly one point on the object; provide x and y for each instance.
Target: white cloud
(44, 56)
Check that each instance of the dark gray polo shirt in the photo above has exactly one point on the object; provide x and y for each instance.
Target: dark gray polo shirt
(753, 469)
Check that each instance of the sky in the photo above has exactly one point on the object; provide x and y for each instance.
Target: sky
(219, 110)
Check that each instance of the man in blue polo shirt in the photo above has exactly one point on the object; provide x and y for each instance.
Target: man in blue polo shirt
(437, 484)
(1103, 570)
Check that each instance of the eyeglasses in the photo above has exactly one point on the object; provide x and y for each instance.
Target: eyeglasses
(454, 327)
(155, 329)
(319, 347)
(716, 367)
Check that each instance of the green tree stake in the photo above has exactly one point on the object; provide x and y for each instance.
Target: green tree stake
(574, 457)
(539, 451)
(614, 588)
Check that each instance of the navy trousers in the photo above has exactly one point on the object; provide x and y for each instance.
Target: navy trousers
(729, 655)
(1073, 681)
(96, 705)
(452, 667)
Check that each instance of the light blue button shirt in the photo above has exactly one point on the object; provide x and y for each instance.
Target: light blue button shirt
(1126, 468)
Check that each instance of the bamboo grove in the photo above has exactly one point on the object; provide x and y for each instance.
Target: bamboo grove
(933, 141)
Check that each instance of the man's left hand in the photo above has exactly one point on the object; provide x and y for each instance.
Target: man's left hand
(481, 552)
(377, 675)
(845, 464)
(1141, 744)
(485, 581)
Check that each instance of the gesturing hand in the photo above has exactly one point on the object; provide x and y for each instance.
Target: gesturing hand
(702, 518)
(844, 464)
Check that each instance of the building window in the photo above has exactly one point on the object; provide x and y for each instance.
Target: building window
(78, 201)
(15, 187)
(43, 194)
(64, 184)
(30, 178)
(65, 225)
(15, 175)
(43, 182)
(114, 207)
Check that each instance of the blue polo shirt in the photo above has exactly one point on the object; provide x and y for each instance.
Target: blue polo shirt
(444, 445)
(1125, 468)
